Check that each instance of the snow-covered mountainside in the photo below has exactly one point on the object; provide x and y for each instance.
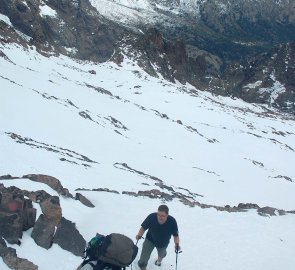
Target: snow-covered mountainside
(140, 141)
(217, 46)
(110, 108)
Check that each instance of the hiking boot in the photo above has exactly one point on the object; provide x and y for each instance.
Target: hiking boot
(157, 263)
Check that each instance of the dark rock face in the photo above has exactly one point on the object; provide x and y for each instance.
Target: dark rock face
(43, 232)
(16, 214)
(268, 78)
(68, 237)
(76, 29)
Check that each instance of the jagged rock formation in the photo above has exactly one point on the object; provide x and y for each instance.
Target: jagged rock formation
(268, 78)
(17, 215)
(73, 27)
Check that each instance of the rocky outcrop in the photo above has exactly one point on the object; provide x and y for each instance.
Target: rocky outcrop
(190, 201)
(267, 211)
(16, 214)
(11, 259)
(73, 27)
(267, 78)
(52, 182)
(68, 237)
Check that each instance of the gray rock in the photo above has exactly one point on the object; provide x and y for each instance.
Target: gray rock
(43, 232)
(267, 211)
(11, 226)
(68, 237)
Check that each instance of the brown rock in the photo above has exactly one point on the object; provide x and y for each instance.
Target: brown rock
(16, 214)
(84, 200)
(51, 209)
(46, 179)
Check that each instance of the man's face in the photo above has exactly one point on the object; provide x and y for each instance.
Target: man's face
(162, 217)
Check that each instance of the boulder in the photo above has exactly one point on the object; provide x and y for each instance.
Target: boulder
(29, 215)
(84, 200)
(51, 209)
(16, 214)
(267, 211)
(68, 237)
(11, 226)
(43, 232)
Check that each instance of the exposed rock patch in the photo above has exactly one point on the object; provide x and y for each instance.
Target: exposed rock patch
(68, 237)
(10, 258)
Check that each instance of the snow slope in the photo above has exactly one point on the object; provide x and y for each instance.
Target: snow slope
(118, 128)
(136, 12)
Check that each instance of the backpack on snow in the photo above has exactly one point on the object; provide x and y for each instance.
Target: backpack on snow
(114, 249)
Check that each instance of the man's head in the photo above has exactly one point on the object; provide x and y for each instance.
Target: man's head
(163, 212)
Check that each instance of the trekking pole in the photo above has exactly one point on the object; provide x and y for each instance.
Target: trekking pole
(136, 245)
(177, 251)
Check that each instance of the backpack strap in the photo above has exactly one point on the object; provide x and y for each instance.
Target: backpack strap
(85, 261)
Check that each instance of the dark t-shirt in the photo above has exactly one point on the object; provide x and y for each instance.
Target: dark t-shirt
(160, 234)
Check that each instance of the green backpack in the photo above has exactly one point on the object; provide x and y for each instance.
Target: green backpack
(114, 249)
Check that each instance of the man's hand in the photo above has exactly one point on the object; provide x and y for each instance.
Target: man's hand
(177, 248)
(138, 237)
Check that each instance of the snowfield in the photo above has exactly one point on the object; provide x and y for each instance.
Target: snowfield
(108, 126)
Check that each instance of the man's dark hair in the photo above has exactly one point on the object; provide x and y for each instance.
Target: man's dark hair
(163, 208)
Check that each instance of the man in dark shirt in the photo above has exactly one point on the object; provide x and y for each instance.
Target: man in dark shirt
(160, 227)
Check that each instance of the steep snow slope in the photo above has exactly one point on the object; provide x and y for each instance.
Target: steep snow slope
(108, 126)
(120, 115)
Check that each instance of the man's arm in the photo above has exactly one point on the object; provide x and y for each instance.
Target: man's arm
(140, 233)
(176, 242)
